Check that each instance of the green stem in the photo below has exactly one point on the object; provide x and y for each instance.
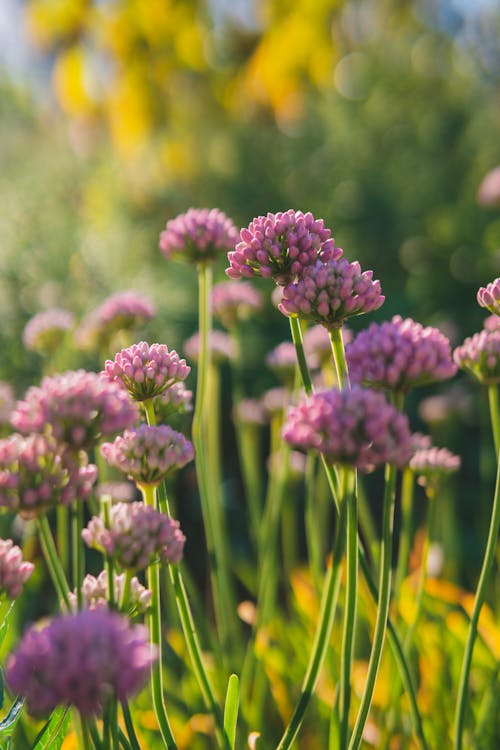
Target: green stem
(89, 727)
(155, 633)
(339, 357)
(77, 549)
(110, 566)
(129, 724)
(382, 606)
(62, 536)
(494, 415)
(405, 537)
(53, 562)
(313, 524)
(296, 331)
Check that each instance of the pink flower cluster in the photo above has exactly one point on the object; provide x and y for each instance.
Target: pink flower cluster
(480, 356)
(329, 292)
(399, 355)
(175, 400)
(80, 660)
(488, 193)
(35, 473)
(492, 323)
(146, 370)
(357, 427)
(251, 411)
(14, 571)
(489, 296)
(137, 536)
(95, 593)
(222, 346)
(199, 235)
(148, 453)
(121, 311)
(280, 246)
(432, 464)
(45, 331)
(234, 301)
(78, 408)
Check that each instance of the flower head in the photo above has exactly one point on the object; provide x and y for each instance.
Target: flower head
(146, 370)
(251, 411)
(280, 246)
(431, 465)
(399, 354)
(480, 356)
(489, 296)
(488, 193)
(14, 571)
(234, 301)
(78, 408)
(95, 593)
(282, 360)
(317, 342)
(222, 346)
(122, 311)
(329, 292)
(137, 536)
(175, 400)
(148, 453)
(117, 492)
(357, 427)
(199, 235)
(492, 323)
(80, 660)
(45, 331)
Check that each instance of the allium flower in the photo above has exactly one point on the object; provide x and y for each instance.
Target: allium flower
(480, 356)
(432, 464)
(146, 370)
(275, 400)
(138, 535)
(234, 301)
(317, 342)
(80, 660)
(45, 331)
(251, 411)
(199, 235)
(282, 360)
(489, 296)
(122, 311)
(14, 571)
(222, 346)
(78, 408)
(36, 473)
(399, 354)
(357, 427)
(492, 323)
(175, 400)
(280, 246)
(7, 402)
(329, 292)
(419, 442)
(148, 453)
(488, 193)
(95, 593)
(119, 492)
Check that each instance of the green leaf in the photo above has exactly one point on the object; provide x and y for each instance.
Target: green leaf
(8, 722)
(3, 626)
(231, 709)
(53, 733)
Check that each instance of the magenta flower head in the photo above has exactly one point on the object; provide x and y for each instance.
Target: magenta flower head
(146, 370)
(280, 246)
(45, 332)
(431, 465)
(492, 323)
(235, 301)
(77, 407)
(200, 235)
(80, 660)
(222, 346)
(14, 571)
(480, 356)
(329, 292)
(489, 297)
(399, 355)
(122, 311)
(488, 193)
(148, 453)
(95, 594)
(357, 428)
(136, 537)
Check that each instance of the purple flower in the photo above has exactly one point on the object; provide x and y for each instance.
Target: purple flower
(95, 593)
(488, 193)
(399, 355)
(357, 427)
(148, 454)
(251, 411)
(234, 301)
(276, 400)
(432, 464)
(45, 331)
(78, 408)
(329, 292)
(480, 356)
(199, 235)
(492, 323)
(174, 400)
(118, 492)
(489, 297)
(282, 360)
(122, 311)
(37, 473)
(14, 571)
(80, 660)
(280, 246)
(222, 346)
(146, 370)
(138, 536)
(317, 342)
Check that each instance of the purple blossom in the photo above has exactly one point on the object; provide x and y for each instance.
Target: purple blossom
(276, 400)
(329, 292)
(251, 411)
(148, 453)
(80, 660)
(95, 593)
(137, 536)
(222, 346)
(118, 492)
(235, 301)
(489, 296)
(492, 323)
(146, 370)
(357, 427)
(280, 246)
(122, 311)
(14, 571)
(174, 400)
(78, 408)
(199, 235)
(480, 356)
(45, 331)
(488, 193)
(399, 354)
(432, 464)
(282, 360)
